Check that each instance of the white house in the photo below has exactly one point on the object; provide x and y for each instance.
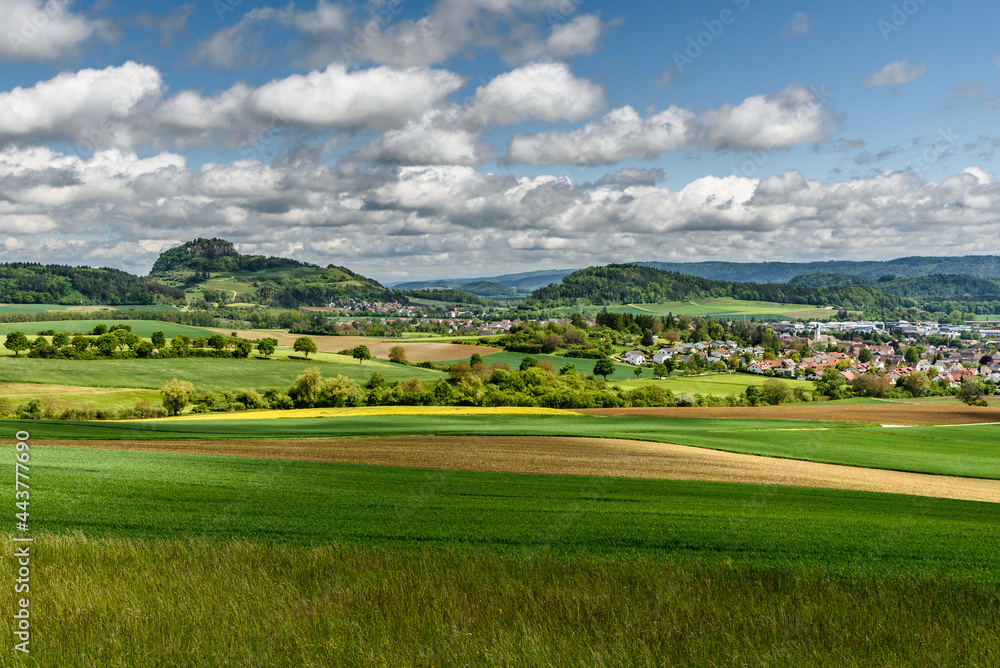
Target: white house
(662, 355)
(635, 357)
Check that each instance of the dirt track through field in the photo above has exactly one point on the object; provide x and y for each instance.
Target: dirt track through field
(416, 351)
(917, 413)
(573, 456)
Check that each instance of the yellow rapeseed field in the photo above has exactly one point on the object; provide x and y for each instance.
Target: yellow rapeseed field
(371, 411)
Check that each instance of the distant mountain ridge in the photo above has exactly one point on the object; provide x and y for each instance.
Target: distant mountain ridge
(980, 266)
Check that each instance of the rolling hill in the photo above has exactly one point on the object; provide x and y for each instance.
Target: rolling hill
(214, 268)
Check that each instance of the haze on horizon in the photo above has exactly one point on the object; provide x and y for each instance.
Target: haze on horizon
(459, 138)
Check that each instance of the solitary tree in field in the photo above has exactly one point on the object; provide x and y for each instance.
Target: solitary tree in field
(397, 354)
(637, 371)
(158, 339)
(361, 353)
(266, 347)
(660, 370)
(604, 368)
(305, 345)
(175, 395)
(17, 342)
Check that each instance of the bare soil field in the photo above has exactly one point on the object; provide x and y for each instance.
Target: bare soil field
(917, 413)
(415, 352)
(573, 456)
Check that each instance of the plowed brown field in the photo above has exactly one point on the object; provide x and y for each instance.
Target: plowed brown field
(917, 413)
(574, 456)
(417, 351)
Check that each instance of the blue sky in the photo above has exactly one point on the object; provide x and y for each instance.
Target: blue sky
(409, 139)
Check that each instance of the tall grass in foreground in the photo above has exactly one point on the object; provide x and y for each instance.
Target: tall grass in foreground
(179, 602)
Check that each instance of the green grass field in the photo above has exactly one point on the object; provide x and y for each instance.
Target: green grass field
(735, 308)
(41, 308)
(205, 373)
(139, 494)
(141, 327)
(74, 397)
(716, 384)
(972, 451)
(583, 366)
(185, 560)
(195, 603)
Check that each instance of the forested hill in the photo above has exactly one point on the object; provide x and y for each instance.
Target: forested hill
(26, 283)
(983, 266)
(935, 287)
(216, 255)
(634, 284)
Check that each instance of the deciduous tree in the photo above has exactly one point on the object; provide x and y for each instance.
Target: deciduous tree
(175, 395)
(305, 345)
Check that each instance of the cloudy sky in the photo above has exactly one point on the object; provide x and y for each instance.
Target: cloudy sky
(408, 139)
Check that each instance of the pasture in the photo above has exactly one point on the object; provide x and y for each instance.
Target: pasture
(583, 366)
(943, 450)
(714, 384)
(206, 373)
(72, 396)
(308, 503)
(143, 328)
(191, 602)
(416, 351)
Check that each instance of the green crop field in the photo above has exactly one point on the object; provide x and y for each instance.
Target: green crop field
(716, 384)
(972, 451)
(224, 498)
(41, 308)
(735, 308)
(140, 327)
(75, 397)
(583, 366)
(205, 373)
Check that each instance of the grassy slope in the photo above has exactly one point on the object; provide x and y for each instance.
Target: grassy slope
(140, 327)
(205, 373)
(963, 451)
(718, 384)
(195, 603)
(131, 494)
(583, 366)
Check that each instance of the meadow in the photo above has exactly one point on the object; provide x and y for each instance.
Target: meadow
(583, 366)
(160, 495)
(205, 373)
(66, 396)
(196, 560)
(120, 603)
(41, 308)
(970, 451)
(143, 328)
(713, 384)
